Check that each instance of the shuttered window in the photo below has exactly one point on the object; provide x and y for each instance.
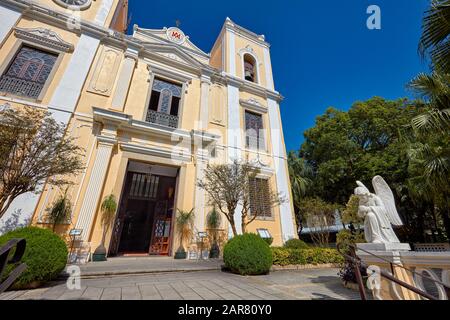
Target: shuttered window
(259, 198)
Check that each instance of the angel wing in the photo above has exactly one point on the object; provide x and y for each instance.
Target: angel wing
(361, 185)
(383, 191)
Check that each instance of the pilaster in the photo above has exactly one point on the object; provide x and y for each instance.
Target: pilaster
(124, 80)
(95, 185)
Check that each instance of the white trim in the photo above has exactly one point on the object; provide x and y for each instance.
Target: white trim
(268, 69)
(74, 6)
(253, 105)
(44, 37)
(249, 50)
(69, 88)
(8, 18)
(178, 154)
(234, 139)
(279, 154)
(232, 53)
(94, 188)
(103, 12)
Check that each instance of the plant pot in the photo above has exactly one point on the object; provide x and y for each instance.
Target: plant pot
(214, 252)
(99, 254)
(180, 254)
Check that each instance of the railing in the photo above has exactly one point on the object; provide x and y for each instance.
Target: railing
(162, 119)
(358, 264)
(253, 142)
(20, 87)
(20, 245)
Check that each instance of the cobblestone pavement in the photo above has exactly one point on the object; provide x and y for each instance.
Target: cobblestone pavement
(208, 285)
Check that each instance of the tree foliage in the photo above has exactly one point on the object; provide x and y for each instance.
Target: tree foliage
(435, 41)
(228, 188)
(60, 212)
(33, 150)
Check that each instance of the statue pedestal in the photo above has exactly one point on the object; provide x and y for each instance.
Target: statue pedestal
(383, 247)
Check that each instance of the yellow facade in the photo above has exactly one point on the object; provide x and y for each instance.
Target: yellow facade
(101, 87)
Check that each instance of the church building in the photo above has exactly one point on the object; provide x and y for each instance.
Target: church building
(150, 110)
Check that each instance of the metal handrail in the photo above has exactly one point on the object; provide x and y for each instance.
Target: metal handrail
(20, 245)
(357, 263)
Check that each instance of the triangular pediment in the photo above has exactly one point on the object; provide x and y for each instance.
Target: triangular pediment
(173, 53)
(171, 37)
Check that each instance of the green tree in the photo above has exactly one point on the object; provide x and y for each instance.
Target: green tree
(435, 40)
(358, 144)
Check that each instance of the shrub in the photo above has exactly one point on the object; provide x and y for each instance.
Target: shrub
(296, 244)
(269, 241)
(247, 254)
(45, 256)
(287, 256)
(344, 239)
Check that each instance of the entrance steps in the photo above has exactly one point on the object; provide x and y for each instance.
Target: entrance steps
(119, 266)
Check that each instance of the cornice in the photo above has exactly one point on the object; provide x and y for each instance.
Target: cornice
(250, 87)
(59, 19)
(253, 105)
(126, 122)
(45, 37)
(233, 27)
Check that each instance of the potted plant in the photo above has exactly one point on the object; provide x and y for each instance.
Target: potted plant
(108, 209)
(213, 221)
(185, 227)
(60, 211)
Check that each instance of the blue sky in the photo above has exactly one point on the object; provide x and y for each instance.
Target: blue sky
(322, 52)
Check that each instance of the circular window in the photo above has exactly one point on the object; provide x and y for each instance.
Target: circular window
(74, 4)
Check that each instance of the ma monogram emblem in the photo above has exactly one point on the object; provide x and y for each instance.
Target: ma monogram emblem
(175, 35)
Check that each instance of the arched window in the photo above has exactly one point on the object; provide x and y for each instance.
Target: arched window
(250, 73)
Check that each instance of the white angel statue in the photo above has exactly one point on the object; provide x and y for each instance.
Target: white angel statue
(378, 211)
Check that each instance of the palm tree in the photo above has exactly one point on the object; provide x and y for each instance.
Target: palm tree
(435, 40)
(60, 212)
(108, 208)
(300, 174)
(185, 228)
(213, 221)
(434, 89)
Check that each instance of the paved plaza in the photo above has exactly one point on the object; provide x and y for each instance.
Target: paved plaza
(308, 284)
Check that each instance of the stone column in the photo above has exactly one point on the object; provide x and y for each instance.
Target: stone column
(94, 187)
(124, 80)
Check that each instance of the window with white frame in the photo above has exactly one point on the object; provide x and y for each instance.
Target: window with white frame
(254, 131)
(164, 103)
(259, 197)
(28, 72)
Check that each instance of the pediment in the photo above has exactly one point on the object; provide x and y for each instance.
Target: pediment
(173, 53)
(172, 37)
(45, 37)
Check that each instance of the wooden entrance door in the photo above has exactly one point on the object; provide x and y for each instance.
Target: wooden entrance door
(143, 225)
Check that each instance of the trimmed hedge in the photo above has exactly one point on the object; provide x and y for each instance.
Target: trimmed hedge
(248, 254)
(45, 256)
(296, 244)
(286, 256)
